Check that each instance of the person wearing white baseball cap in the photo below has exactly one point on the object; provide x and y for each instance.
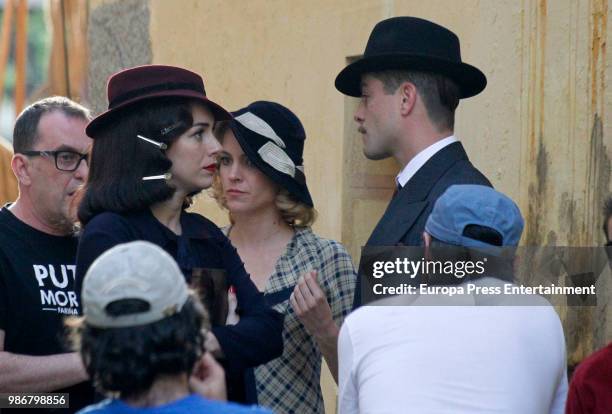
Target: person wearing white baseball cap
(141, 336)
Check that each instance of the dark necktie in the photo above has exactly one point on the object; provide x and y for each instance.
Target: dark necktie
(398, 188)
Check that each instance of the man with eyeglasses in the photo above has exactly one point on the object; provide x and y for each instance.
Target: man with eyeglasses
(38, 249)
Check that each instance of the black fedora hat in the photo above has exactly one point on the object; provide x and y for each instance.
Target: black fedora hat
(411, 43)
(272, 137)
(141, 83)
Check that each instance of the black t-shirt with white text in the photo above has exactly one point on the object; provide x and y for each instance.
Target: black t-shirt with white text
(37, 275)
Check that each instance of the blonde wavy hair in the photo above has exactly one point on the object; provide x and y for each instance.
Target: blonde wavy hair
(294, 212)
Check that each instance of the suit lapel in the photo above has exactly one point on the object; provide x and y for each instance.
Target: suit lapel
(406, 207)
(394, 223)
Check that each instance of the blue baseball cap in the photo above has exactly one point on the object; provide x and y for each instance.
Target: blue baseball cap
(463, 205)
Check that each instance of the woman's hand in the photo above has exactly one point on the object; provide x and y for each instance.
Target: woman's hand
(208, 379)
(211, 344)
(310, 305)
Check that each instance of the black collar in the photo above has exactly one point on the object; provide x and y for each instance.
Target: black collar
(192, 225)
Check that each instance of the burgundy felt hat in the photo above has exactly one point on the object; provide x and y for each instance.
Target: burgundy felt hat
(141, 83)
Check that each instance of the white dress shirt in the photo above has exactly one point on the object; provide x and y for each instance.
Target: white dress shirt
(452, 359)
(421, 158)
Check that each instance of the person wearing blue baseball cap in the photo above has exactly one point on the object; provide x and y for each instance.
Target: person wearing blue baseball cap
(481, 217)
(456, 356)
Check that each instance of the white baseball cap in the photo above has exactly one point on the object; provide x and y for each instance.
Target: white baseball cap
(136, 270)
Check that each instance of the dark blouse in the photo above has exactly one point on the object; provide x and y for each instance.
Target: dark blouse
(257, 338)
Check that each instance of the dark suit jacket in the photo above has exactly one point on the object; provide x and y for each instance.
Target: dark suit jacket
(404, 220)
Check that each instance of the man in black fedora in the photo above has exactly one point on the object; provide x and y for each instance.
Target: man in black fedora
(410, 80)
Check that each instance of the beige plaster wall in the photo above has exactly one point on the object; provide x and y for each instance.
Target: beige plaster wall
(529, 131)
(287, 51)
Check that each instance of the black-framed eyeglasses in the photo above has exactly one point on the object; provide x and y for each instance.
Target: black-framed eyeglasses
(64, 160)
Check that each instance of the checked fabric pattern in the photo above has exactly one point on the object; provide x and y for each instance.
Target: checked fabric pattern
(291, 383)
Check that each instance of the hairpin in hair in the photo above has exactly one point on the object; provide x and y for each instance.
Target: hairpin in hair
(165, 176)
(160, 145)
(170, 128)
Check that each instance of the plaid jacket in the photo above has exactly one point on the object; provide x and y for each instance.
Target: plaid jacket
(291, 383)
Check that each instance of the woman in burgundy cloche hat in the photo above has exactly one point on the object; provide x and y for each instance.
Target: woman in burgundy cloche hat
(154, 149)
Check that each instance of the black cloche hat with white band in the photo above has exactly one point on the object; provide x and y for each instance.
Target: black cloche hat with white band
(272, 137)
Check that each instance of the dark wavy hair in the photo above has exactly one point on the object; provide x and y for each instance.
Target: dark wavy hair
(124, 362)
(119, 159)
